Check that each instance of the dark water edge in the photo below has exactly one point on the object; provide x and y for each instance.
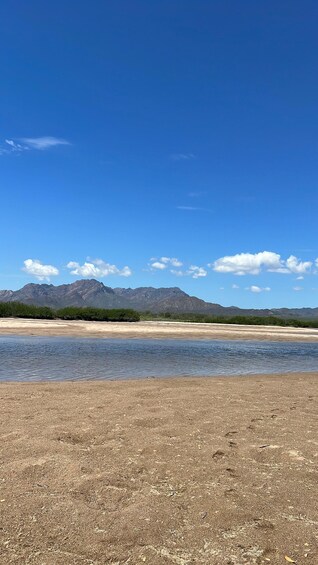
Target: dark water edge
(30, 359)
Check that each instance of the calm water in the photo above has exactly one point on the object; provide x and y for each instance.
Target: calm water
(40, 358)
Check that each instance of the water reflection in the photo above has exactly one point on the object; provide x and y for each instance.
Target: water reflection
(40, 358)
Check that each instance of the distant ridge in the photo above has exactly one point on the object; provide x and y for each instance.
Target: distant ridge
(94, 293)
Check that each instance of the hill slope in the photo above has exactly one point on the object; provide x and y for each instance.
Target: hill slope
(94, 293)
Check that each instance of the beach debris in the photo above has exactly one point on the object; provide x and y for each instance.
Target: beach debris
(218, 454)
(289, 559)
(263, 446)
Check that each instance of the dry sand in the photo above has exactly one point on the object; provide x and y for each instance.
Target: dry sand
(188, 471)
(142, 330)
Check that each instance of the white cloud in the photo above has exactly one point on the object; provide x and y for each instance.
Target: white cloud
(235, 286)
(10, 142)
(196, 272)
(164, 262)
(13, 145)
(158, 265)
(297, 288)
(247, 263)
(29, 143)
(294, 265)
(97, 268)
(37, 269)
(258, 289)
(300, 278)
(253, 264)
(171, 261)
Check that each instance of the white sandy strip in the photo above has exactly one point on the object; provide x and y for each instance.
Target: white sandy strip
(181, 330)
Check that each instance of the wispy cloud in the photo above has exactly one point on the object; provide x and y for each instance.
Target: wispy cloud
(31, 143)
(182, 156)
(189, 208)
(10, 146)
(37, 269)
(177, 272)
(97, 268)
(253, 264)
(42, 143)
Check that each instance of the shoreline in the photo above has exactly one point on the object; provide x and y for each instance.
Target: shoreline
(155, 379)
(153, 330)
(189, 471)
(203, 380)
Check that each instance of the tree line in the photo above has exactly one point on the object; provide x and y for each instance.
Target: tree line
(19, 310)
(238, 319)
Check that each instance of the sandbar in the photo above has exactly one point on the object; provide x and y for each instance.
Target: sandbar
(153, 330)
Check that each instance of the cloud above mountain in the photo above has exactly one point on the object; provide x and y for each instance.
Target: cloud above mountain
(196, 272)
(164, 262)
(173, 265)
(254, 264)
(37, 269)
(257, 289)
(97, 268)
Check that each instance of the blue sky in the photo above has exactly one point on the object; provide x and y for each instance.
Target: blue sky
(164, 143)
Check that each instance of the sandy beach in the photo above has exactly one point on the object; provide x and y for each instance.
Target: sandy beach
(153, 330)
(185, 471)
(205, 471)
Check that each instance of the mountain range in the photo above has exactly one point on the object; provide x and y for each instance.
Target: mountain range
(94, 293)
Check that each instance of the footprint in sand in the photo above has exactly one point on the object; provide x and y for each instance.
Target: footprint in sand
(230, 492)
(73, 439)
(218, 454)
(231, 472)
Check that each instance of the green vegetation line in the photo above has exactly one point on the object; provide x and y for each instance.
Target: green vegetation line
(241, 320)
(19, 310)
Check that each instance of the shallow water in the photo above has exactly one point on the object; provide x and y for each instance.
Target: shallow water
(56, 358)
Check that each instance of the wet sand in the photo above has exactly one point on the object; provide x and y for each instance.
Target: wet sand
(205, 471)
(153, 330)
